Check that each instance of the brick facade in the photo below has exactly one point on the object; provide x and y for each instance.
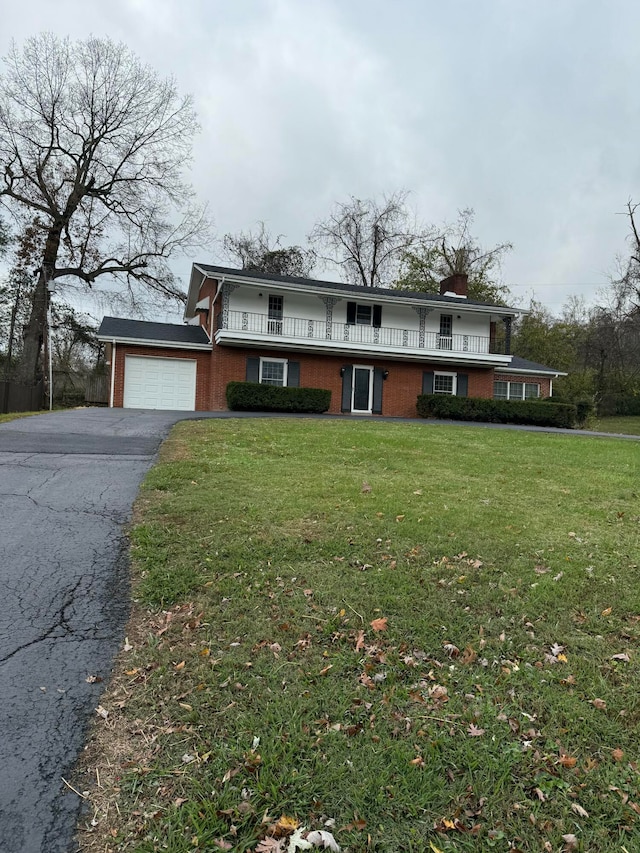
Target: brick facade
(400, 389)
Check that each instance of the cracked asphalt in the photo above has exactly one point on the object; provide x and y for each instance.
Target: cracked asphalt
(67, 484)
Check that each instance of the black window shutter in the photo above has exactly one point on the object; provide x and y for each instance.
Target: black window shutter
(377, 316)
(293, 374)
(427, 382)
(377, 390)
(253, 370)
(347, 374)
(351, 314)
(462, 385)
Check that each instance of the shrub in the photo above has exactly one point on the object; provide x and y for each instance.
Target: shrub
(254, 397)
(534, 412)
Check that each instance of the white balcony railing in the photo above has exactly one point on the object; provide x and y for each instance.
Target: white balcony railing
(377, 337)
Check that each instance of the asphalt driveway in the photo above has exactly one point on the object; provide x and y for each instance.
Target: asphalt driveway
(67, 483)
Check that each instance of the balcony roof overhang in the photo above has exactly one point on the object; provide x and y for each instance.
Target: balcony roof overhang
(250, 340)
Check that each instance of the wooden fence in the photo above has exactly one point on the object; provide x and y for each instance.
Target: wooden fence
(20, 398)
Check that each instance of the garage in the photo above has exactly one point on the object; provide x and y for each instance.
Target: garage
(159, 383)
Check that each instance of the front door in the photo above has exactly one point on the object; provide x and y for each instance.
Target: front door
(362, 392)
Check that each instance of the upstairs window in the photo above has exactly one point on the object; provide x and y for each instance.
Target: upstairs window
(360, 314)
(276, 309)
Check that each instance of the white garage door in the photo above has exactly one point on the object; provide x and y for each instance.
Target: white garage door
(159, 383)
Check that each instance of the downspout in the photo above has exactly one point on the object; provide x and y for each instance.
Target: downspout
(113, 372)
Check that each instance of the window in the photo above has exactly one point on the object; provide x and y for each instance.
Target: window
(364, 315)
(444, 383)
(445, 338)
(276, 308)
(515, 390)
(273, 371)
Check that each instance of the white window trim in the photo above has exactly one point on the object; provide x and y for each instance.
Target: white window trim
(353, 389)
(454, 387)
(284, 372)
(509, 383)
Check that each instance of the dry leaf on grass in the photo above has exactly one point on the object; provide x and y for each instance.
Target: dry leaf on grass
(617, 755)
(322, 838)
(600, 704)
(577, 808)
(474, 731)
(379, 624)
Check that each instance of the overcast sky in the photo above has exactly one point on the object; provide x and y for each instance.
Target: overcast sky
(527, 112)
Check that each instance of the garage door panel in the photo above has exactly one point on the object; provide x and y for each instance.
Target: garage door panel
(159, 383)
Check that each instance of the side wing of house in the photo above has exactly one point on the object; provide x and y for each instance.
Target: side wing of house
(156, 365)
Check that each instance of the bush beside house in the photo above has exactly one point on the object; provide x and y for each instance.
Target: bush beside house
(536, 413)
(255, 397)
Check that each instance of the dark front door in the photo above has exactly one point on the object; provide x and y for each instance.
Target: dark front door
(361, 389)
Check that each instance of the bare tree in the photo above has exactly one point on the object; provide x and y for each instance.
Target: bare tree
(262, 252)
(94, 143)
(367, 239)
(456, 251)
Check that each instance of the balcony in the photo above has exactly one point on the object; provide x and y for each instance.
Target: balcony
(246, 328)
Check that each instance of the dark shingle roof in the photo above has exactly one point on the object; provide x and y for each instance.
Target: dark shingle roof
(518, 363)
(213, 270)
(120, 329)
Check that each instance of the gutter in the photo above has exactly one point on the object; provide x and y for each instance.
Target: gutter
(146, 342)
(113, 373)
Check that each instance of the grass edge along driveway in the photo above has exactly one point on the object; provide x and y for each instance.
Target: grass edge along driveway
(413, 639)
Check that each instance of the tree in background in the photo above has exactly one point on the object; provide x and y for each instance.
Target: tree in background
(368, 238)
(456, 251)
(261, 252)
(94, 143)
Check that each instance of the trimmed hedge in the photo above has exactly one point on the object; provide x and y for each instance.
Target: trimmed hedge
(254, 397)
(533, 412)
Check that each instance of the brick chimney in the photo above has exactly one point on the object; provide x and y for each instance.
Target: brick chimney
(456, 283)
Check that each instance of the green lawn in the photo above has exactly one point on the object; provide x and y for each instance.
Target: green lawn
(426, 634)
(623, 426)
(13, 415)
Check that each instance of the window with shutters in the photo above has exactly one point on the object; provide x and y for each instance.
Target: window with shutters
(273, 371)
(364, 315)
(444, 383)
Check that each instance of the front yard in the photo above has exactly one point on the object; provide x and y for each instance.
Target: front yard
(415, 637)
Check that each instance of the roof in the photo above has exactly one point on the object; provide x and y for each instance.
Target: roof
(523, 365)
(415, 296)
(142, 331)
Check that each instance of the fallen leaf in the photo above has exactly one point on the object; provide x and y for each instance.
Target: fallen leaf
(326, 669)
(379, 624)
(607, 611)
(600, 704)
(127, 645)
(568, 761)
(570, 840)
(270, 845)
(179, 666)
(418, 761)
(617, 755)
(285, 825)
(434, 848)
(474, 731)
(400, 517)
(622, 656)
(366, 487)
(93, 679)
(102, 712)
(360, 641)
(323, 838)
(297, 842)
(577, 808)
(451, 650)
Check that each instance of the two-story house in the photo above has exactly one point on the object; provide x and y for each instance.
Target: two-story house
(374, 349)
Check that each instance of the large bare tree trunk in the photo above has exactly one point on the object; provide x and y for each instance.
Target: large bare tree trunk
(29, 365)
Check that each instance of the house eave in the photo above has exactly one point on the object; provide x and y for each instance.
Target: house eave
(159, 344)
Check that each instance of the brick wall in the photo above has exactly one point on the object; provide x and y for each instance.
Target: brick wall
(202, 370)
(400, 389)
(543, 381)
